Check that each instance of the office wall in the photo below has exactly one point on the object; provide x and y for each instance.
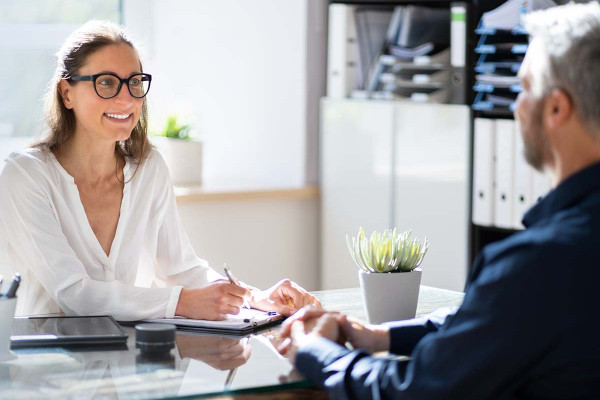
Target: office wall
(248, 75)
(239, 71)
(262, 240)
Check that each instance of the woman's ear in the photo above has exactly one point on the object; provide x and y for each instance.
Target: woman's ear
(65, 92)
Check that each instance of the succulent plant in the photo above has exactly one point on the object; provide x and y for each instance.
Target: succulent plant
(387, 251)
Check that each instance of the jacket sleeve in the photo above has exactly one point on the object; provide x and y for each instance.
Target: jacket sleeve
(404, 335)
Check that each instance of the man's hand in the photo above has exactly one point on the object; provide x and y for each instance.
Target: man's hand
(212, 302)
(302, 332)
(308, 315)
(285, 297)
(371, 338)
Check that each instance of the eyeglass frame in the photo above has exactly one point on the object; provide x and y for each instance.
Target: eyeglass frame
(92, 78)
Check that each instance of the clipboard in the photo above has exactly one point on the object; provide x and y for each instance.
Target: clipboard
(247, 321)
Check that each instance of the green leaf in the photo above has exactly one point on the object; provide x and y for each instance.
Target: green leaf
(386, 251)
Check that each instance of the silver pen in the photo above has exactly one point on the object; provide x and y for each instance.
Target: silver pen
(230, 275)
(235, 281)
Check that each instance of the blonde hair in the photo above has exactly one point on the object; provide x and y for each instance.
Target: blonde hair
(73, 54)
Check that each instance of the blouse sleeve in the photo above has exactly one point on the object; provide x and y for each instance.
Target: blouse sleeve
(176, 261)
(32, 229)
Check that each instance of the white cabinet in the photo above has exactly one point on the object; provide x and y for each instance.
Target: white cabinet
(356, 180)
(427, 147)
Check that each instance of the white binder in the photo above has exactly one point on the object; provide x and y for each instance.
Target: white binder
(523, 198)
(505, 173)
(483, 172)
(342, 52)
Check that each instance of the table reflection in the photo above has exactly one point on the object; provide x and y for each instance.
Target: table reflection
(220, 352)
(199, 364)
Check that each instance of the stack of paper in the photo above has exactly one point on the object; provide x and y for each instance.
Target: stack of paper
(508, 15)
(409, 53)
(499, 81)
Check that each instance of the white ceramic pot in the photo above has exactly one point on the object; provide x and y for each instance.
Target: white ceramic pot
(390, 296)
(183, 158)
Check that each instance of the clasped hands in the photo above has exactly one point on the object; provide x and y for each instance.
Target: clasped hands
(311, 323)
(216, 300)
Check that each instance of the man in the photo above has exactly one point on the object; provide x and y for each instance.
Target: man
(529, 326)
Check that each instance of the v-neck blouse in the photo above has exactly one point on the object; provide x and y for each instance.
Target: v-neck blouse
(64, 268)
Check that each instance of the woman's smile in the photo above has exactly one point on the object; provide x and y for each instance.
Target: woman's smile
(119, 118)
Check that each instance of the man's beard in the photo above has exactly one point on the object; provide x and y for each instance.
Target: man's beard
(535, 143)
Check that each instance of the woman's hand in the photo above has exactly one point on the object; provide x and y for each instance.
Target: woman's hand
(285, 297)
(212, 302)
(219, 352)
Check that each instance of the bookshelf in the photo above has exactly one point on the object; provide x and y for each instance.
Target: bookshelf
(492, 59)
(399, 162)
(379, 50)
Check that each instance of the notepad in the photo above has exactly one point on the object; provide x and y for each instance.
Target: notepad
(247, 321)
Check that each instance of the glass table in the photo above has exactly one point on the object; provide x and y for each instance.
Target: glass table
(200, 366)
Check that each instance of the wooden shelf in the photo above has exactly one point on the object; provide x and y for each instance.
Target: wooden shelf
(188, 194)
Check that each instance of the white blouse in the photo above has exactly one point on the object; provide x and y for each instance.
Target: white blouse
(62, 264)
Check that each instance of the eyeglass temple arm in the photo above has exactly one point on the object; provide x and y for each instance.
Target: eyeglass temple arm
(81, 78)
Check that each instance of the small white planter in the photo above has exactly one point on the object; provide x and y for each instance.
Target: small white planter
(390, 296)
(183, 158)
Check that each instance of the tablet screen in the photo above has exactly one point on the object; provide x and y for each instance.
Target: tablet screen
(43, 331)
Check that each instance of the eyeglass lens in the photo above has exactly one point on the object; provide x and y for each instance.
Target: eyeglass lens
(107, 86)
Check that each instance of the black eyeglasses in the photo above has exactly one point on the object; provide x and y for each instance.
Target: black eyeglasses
(108, 86)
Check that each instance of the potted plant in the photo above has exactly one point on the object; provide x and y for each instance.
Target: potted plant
(388, 273)
(182, 154)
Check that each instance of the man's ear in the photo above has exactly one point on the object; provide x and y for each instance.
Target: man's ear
(558, 108)
(65, 92)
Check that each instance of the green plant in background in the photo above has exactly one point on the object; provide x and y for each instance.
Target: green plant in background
(174, 130)
(387, 251)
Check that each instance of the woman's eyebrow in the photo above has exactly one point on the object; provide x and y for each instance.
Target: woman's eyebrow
(114, 73)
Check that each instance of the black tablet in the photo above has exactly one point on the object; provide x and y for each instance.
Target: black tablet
(66, 331)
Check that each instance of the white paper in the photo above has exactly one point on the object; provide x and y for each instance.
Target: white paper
(247, 317)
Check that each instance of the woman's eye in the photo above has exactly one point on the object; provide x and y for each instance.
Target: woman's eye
(134, 82)
(107, 82)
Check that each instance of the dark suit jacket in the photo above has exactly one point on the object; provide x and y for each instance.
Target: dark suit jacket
(529, 326)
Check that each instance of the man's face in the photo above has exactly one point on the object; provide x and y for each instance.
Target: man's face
(529, 109)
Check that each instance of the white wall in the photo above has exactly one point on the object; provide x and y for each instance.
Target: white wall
(261, 240)
(239, 71)
(248, 75)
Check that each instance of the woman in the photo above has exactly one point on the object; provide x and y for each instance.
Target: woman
(89, 213)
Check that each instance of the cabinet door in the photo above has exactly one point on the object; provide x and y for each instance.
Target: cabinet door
(356, 160)
(431, 186)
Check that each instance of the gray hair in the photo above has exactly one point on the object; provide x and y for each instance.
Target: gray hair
(570, 37)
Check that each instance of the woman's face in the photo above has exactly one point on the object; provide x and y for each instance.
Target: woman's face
(105, 119)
